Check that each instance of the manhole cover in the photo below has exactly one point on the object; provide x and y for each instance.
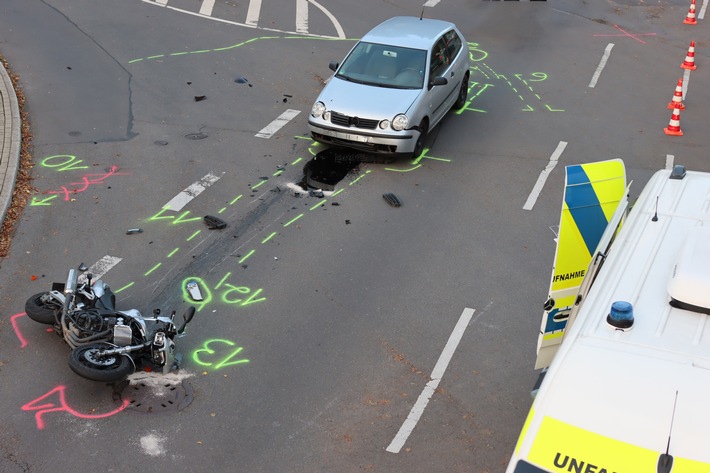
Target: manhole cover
(196, 136)
(153, 397)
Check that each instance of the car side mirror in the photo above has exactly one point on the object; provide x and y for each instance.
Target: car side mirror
(438, 81)
(333, 66)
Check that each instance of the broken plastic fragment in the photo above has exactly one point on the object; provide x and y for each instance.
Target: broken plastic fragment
(214, 223)
(392, 199)
(194, 291)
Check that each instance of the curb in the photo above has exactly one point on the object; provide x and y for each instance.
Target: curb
(10, 145)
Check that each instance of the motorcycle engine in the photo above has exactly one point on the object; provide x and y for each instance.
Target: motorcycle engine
(122, 334)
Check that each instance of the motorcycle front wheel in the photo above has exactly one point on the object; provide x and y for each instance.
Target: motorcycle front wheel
(89, 362)
(40, 311)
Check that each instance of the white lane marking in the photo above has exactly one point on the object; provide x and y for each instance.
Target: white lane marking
(418, 409)
(341, 33)
(206, 7)
(336, 23)
(269, 130)
(100, 268)
(701, 14)
(686, 79)
(253, 12)
(431, 3)
(532, 198)
(161, 2)
(602, 63)
(669, 161)
(190, 192)
(302, 16)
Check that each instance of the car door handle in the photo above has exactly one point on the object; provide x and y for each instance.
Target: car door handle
(452, 73)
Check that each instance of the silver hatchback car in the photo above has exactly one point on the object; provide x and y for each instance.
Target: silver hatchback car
(394, 86)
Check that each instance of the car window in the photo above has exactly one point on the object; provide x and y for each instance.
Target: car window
(445, 51)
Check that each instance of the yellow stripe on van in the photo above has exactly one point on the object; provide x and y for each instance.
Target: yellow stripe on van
(561, 447)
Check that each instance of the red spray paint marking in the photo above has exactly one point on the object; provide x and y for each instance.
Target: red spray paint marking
(13, 320)
(634, 36)
(86, 181)
(44, 408)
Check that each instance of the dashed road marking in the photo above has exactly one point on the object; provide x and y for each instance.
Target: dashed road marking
(602, 63)
(418, 409)
(532, 198)
(192, 191)
(269, 130)
(100, 268)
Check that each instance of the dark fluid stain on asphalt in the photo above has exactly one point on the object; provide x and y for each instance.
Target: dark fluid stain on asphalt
(160, 142)
(329, 167)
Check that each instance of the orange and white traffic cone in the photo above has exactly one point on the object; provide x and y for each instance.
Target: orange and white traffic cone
(673, 127)
(690, 17)
(689, 62)
(677, 97)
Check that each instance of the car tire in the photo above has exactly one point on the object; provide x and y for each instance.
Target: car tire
(463, 94)
(421, 141)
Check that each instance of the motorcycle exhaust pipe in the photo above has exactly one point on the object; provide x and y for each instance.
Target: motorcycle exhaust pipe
(70, 289)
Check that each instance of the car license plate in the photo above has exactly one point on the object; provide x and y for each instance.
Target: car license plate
(361, 139)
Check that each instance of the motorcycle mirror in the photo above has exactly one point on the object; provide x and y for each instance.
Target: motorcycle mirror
(187, 317)
(83, 267)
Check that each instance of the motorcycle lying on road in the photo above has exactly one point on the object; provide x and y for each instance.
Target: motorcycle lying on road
(107, 344)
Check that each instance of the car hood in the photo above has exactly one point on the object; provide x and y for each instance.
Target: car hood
(366, 101)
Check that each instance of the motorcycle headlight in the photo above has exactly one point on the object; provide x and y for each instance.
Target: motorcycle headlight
(400, 122)
(317, 109)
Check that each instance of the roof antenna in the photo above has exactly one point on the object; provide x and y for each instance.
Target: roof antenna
(665, 460)
(422, 15)
(655, 215)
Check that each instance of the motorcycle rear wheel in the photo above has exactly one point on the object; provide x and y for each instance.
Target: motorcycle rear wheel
(40, 311)
(88, 362)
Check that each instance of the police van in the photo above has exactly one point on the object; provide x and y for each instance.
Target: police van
(628, 388)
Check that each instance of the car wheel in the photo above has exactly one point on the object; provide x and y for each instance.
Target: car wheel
(463, 94)
(419, 146)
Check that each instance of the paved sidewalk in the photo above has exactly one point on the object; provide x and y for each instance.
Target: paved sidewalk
(10, 139)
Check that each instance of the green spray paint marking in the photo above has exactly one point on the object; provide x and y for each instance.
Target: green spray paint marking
(246, 256)
(226, 296)
(44, 201)
(273, 234)
(293, 220)
(124, 287)
(68, 162)
(153, 269)
(209, 357)
(194, 235)
(319, 204)
(234, 46)
(173, 252)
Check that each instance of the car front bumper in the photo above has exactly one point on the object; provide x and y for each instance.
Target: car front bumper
(364, 141)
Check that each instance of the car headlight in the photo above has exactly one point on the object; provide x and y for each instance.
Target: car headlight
(317, 109)
(400, 122)
(384, 124)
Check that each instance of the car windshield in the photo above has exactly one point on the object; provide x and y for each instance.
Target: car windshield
(384, 66)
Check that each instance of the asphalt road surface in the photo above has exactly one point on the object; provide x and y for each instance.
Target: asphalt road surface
(325, 318)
